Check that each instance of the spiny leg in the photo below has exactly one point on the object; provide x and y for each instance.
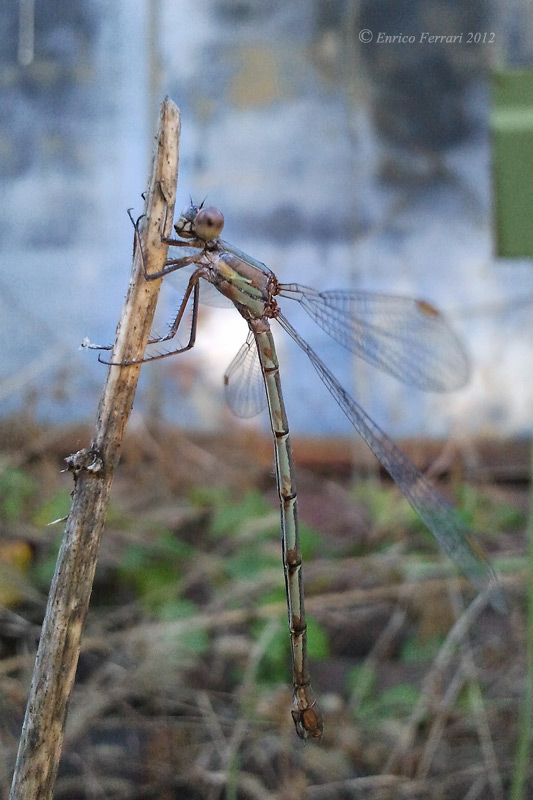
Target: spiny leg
(191, 287)
(171, 264)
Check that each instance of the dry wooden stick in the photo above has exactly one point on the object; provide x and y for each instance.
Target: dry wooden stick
(59, 647)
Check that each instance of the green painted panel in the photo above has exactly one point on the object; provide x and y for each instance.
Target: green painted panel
(512, 162)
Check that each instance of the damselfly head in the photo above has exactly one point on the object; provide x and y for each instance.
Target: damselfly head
(196, 222)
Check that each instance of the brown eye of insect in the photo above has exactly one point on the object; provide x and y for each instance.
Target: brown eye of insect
(208, 223)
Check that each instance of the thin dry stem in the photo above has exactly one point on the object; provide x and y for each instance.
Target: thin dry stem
(57, 655)
(453, 640)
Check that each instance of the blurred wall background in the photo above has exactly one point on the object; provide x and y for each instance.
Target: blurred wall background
(345, 147)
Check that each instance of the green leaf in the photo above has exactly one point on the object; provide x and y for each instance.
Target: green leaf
(415, 651)
(394, 703)
(486, 513)
(43, 571)
(155, 570)
(399, 701)
(195, 641)
(275, 594)
(248, 564)
(361, 681)
(310, 541)
(275, 661)
(317, 640)
(16, 488)
(229, 512)
(233, 513)
(177, 609)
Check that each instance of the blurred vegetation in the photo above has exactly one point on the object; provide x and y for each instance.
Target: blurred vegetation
(187, 633)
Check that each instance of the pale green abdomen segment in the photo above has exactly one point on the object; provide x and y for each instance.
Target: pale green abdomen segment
(305, 712)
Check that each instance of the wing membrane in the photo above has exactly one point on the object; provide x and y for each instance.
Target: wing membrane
(432, 508)
(243, 381)
(405, 337)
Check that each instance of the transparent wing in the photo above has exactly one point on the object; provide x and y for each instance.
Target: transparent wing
(243, 381)
(432, 508)
(210, 296)
(405, 337)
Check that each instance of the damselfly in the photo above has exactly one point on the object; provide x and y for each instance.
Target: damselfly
(405, 337)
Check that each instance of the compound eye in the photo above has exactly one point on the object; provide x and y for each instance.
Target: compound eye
(208, 223)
